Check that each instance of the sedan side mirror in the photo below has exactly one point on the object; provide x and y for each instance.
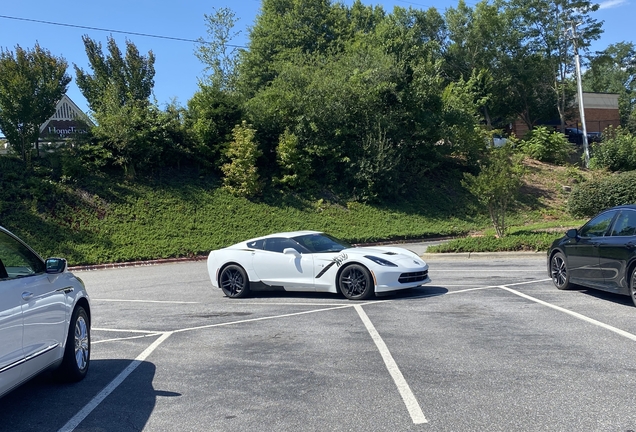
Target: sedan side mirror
(56, 265)
(572, 233)
(291, 251)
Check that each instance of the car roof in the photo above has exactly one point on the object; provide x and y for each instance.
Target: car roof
(289, 234)
(626, 206)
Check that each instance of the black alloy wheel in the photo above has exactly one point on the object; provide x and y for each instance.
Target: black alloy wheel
(559, 272)
(234, 281)
(355, 283)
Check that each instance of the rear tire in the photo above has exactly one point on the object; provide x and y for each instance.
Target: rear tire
(559, 272)
(234, 282)
(355, 283)
(77, 353)
(632, 286)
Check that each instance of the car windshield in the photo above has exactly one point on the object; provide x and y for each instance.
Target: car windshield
(321, 243)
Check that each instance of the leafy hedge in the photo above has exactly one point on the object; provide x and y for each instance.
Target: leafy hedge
(520, 241)
(617, 151)
(589, 198)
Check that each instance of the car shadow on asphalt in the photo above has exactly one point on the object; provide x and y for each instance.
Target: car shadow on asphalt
(45, 403)
(419, 292)
(604, 295)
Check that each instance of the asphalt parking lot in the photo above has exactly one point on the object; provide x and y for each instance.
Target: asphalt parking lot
(489, 345)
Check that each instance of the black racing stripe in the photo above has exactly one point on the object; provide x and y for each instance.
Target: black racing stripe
(325, 269)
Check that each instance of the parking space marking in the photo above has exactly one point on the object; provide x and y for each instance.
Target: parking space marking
(90, 406)
(146, 301)
(126, 331)
(125, 338)
(403, 387)
(574, 314)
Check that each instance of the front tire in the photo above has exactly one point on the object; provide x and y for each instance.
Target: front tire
(559, 272)
(234, 282)
(77, 353)
(355, 283)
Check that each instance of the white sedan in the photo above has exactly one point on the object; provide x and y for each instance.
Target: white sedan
(313, 261)
(44, 316)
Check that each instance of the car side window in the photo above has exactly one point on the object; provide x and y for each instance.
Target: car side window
(277, 244)
(598, 226)
(17, 260)
(256, 244)
(625, 224)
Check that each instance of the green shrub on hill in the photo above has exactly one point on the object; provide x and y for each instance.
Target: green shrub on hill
(617, 151)
(590, 197)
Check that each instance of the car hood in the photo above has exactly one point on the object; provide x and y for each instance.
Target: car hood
(396, 255)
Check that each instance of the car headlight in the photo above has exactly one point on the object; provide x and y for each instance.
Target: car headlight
(380, 261)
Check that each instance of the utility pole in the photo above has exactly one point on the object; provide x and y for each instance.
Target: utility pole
(579, 86)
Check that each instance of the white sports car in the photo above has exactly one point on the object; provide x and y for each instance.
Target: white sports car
(313, 261)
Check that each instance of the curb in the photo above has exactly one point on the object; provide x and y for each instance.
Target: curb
(482, 255)
(137, 263)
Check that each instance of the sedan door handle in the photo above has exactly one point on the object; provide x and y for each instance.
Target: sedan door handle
(630, 245)
(26, 296)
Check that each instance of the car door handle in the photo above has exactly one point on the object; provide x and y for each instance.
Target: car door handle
(26, 296)
(630, 245)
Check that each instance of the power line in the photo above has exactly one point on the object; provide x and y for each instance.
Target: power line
(201, 41)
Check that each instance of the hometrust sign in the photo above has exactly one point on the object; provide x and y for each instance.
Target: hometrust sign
(67, 120)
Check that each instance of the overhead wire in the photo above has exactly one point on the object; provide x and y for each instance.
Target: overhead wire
(201, 41)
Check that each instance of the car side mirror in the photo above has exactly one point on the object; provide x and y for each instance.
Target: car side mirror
(572, 233)
(291, 251)
(56, 265)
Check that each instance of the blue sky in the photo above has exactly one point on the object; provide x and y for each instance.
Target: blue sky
(177, 68)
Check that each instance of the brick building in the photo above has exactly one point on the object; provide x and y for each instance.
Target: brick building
(601, 111)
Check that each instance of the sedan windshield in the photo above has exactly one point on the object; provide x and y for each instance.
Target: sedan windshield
(321, 243)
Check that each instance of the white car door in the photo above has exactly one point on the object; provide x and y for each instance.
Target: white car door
(275, 268)
(43, 300)
(11, 355)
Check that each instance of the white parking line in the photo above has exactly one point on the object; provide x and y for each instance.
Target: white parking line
(403, 387)
(125, 338)
(89, 407)
(145, 301)
(126, 331)
(574, 314)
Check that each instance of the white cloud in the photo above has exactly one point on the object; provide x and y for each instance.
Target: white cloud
(611, 4)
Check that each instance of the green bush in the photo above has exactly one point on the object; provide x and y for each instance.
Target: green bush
(521, 241)
(589, 198)
(546, 146)
(617, 151)
(241, 176)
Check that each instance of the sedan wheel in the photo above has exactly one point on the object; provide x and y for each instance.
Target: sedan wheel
(355, 283)
(234, 282)
(78, 347)
(632, 286)
(559, 271)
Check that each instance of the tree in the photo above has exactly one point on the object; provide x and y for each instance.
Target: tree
(496, 184)
(31, 84)
(129, 78)
(284, 29)
(212, 115)
(547, 24)
(613, 70)
(219, 56)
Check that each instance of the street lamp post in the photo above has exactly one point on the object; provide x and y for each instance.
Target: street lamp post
(579, 86)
